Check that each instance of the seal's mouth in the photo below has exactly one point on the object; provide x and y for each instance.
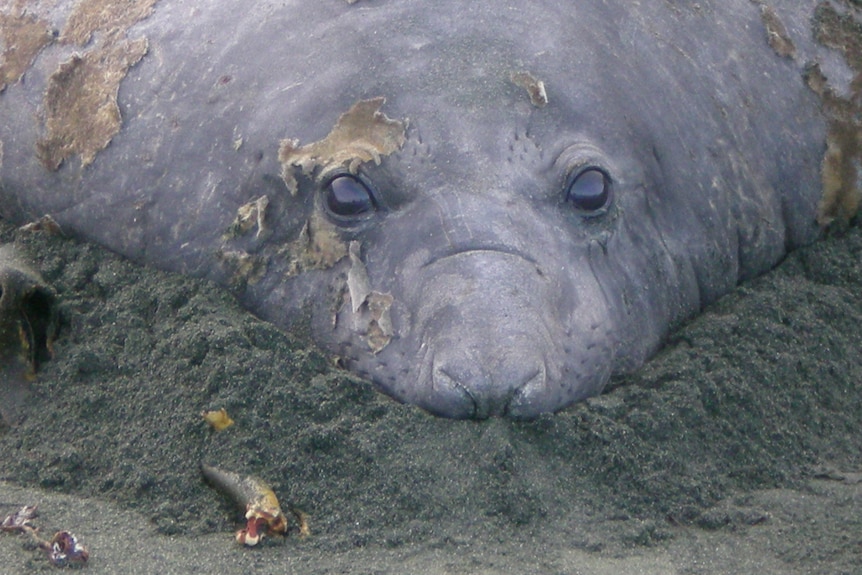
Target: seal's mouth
(477, 251)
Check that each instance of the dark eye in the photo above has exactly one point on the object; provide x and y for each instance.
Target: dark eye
(348, 196)
(589, 191)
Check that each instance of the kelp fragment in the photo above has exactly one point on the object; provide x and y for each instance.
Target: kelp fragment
(263, 512)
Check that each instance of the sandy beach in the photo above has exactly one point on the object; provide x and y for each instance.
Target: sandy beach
(736, 450)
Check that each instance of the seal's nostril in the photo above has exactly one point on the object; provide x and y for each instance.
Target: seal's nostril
(489, 385)
(527, 400)
(448, 397)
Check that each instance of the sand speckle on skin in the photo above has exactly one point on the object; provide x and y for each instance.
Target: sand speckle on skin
(708, 460)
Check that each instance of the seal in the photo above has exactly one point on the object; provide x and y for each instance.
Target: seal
(486, 209)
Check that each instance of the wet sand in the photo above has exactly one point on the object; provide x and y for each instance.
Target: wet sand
(737, 449)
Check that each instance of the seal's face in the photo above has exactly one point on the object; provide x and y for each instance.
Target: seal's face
(525, 241)
(509, 254)
(489, 289)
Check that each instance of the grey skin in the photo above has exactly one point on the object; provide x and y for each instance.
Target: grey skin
(506, 299)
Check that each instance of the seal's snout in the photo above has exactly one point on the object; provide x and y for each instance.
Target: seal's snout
(485, 334)
(481, 383)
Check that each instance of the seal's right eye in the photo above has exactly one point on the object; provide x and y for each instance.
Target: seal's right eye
(348, 196)
(589, 191)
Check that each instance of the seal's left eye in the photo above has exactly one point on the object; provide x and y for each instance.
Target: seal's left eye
(589, 191)
(348, 196)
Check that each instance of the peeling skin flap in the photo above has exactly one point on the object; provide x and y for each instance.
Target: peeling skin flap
(357, 280)
(370, 308)
(362, 134)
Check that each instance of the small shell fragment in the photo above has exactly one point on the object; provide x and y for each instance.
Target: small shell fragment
(534, 87)
(219, 419)
(64, 549)
(19, 520)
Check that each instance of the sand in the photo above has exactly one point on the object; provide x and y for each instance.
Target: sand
(736, 450)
